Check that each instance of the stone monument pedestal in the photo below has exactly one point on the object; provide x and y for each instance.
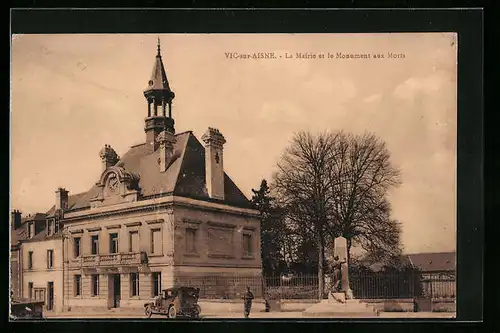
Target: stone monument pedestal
(341, 304)
(338, 306)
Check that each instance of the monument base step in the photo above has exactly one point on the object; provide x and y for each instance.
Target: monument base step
(333, 309)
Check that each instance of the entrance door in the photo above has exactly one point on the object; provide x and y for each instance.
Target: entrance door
(50, 296)
(116, 290)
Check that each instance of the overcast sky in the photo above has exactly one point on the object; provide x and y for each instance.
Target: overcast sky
(71, 94)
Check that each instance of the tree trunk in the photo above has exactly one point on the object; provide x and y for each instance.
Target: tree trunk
(349, 244)
(321, 273)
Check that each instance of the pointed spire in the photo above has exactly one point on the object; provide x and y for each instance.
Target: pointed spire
(159, 98)
(158, 79)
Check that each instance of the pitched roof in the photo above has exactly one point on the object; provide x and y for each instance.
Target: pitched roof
(72, 200)
(432, 262)
(32, 217)
(42, 236)
(184, 177)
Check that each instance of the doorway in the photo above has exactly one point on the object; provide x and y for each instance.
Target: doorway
(114, 291)
(50, 296)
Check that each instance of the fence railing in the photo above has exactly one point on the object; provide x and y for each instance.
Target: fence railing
(365, 285)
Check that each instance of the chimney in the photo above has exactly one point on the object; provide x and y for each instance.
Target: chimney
(61, 199)
(214, 167)
(165, 141)
(16, 219)
(108, 157)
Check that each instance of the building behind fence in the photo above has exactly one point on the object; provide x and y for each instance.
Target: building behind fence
(365, 285)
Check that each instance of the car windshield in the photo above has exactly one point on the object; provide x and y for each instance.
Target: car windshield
(191, 293)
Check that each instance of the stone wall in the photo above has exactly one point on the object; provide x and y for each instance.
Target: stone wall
(220, 283)
(15, 274)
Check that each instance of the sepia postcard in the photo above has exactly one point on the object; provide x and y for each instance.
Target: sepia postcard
(247, 176)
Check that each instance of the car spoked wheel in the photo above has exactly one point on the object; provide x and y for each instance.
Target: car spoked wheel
(197, 311)
(148, 311)
(172, 312)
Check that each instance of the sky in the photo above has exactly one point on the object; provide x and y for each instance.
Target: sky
(72, 94)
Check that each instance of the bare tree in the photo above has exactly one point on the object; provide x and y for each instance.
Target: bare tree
(336, 184)
(361, 176)
(302, 185)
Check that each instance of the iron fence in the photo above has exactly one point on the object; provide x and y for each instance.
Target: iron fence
(365, 285)
(386, 285)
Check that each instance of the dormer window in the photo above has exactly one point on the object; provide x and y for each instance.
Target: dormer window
(30, 232)
(49, 227)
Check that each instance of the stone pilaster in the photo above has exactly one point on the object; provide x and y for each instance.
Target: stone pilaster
(145, 285)
(103, 286)
(125, 286)
(86, 287)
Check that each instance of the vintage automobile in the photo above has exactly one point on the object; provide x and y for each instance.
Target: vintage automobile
(26, 309)
(175, 302)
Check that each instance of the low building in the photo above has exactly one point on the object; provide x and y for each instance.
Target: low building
(438, 273)
(43, 269)
(164, 214)
(36, 260)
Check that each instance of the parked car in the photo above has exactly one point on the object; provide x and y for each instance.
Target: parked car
(26, 309)
(174, 302)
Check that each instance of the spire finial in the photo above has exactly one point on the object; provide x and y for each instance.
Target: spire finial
(159, 46)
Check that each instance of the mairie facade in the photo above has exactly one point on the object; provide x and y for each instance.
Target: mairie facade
(164, 214)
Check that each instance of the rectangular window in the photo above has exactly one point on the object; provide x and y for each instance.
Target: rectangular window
(134, 284)
(76, 246)
(30, 290)
(156, 283)
(50, 258)
(156, 241)
(133, 241)
(113, 243)
(190, 240)
(30, 260)
(95, 284)
(78, 285)
(247, 244)
(95, 244)
(56, 226)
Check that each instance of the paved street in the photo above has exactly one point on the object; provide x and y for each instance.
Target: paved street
(233, 315)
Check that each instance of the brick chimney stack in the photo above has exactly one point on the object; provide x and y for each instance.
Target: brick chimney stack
(165, 141)
(214, 166)
(16, 219)
(61, 199)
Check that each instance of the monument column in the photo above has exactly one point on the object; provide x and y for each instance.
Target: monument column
(341, 251)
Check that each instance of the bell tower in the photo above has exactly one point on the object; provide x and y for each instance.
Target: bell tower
(159, 98)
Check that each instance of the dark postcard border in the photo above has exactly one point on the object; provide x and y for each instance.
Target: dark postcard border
(468, 24)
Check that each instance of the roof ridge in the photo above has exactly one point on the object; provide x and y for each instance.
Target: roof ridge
(176, 134)
(184, 132)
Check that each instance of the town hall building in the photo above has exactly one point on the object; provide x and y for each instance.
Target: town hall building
(164, 214)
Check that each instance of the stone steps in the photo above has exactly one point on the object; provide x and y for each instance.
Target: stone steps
(348, 309)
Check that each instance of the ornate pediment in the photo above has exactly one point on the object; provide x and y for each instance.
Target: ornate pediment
(116, 185)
